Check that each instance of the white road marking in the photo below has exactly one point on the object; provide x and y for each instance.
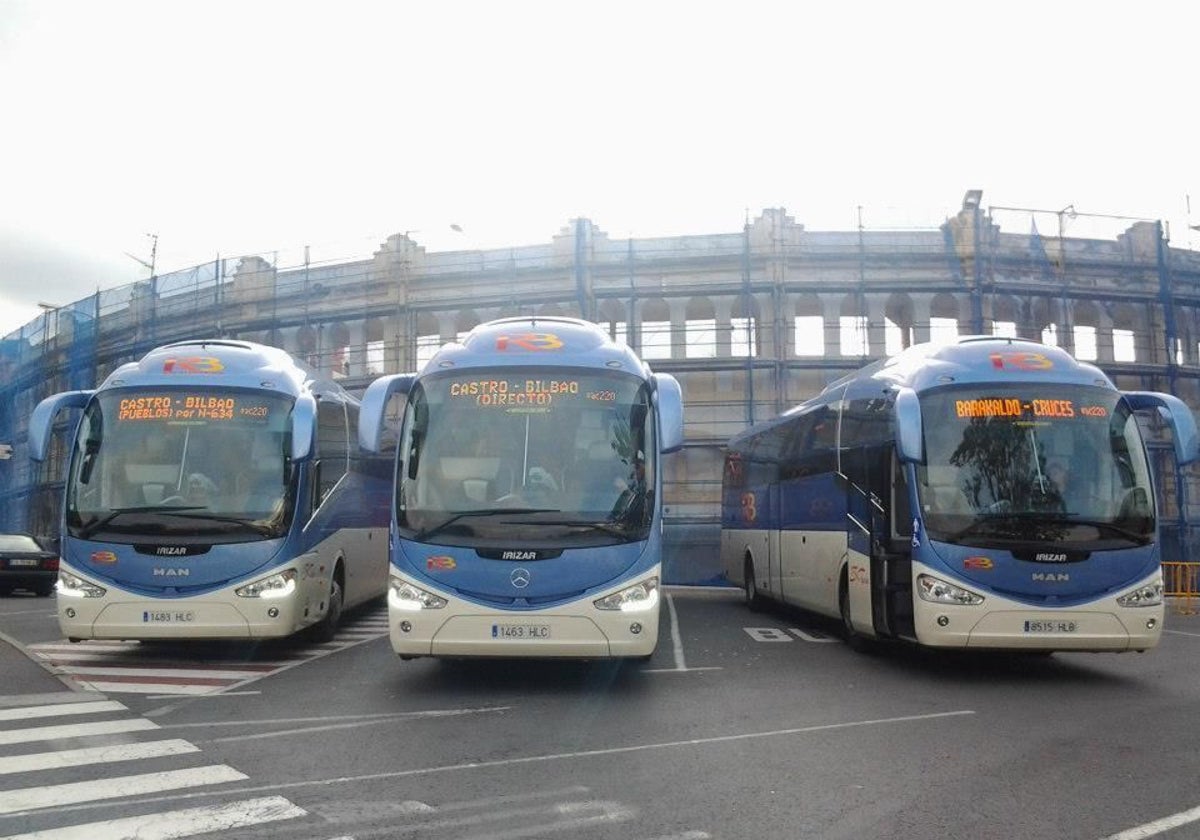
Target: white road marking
(190, 673)
(79, 730)
(1158, 826)
(680, 670)
(30, 712)
(197, 697)
(1181, 633)
(665, 745)
(118, 787)
(183, 823)
(350, 724)
(94, 755)
(145, 688)
(677, 642)
(687, 835)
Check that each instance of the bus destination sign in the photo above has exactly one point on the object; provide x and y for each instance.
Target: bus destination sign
(988, 407)
(190, 406)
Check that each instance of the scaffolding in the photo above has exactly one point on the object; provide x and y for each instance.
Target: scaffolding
(750, 322)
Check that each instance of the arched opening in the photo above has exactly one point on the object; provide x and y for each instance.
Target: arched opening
(808, 326)
(700, 329)
(656, 329)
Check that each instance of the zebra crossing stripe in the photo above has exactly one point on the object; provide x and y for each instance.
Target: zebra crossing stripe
(119, 787)
(30, 712)
(94, 755)
(78, 730)
(187, 822)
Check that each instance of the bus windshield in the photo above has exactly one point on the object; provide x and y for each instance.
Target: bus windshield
(1034, 464)
(205, 463)
(539, 458)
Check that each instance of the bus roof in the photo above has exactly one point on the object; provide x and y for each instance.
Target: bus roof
(539, 341)
(968, 359)
(223, 363)
(982, 359)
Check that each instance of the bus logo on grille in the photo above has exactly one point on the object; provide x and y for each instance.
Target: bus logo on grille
(519, 578)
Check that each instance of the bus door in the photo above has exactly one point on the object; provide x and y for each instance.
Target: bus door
(878, 535)
(864, 513)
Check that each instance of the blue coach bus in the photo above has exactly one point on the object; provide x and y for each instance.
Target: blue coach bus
(527, 515)
(990, 493)
(215, 490)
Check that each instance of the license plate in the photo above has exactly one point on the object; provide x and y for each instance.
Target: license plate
(23, 561)
(167, 617)
(1051, 626)
(520, 631)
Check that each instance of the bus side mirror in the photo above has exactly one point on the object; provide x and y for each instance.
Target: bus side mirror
(670, 412)
(41, 424)
(304, 425)
(374, 404)
(910, 434)
(1177, 414)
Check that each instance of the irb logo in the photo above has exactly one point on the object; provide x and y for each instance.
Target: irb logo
(1021, 361)
(529, 341)
(193, 364)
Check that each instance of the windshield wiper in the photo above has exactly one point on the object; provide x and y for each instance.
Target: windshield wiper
(462, 514)
(99, 522)
(252, 524)
(1042, 519)
(608, 527)
(1125, 533)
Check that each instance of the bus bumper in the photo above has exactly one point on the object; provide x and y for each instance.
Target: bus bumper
(119, 615)
(1002, 624)
(578, 630)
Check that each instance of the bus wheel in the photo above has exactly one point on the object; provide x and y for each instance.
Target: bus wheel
(854, 640)
(324, 629)
(754, 598)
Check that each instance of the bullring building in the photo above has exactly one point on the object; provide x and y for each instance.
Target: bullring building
(750, 321)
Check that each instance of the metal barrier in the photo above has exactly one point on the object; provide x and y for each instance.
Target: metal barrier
(1182, 581)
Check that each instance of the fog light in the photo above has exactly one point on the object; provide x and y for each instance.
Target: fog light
(1151, 623)
(942, 621)
(70, 612)
(405, 626)
(635, 628)
(273, 612)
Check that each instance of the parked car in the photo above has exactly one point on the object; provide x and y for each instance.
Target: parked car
(25, 564)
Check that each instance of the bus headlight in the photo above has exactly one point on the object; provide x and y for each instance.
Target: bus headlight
(279, 585)
(404, 596)
(939, 592)
(77, 587)
(637, 598)
(1150, 595)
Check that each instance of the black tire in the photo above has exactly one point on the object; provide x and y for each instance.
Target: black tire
(324, 630)
(754, 598)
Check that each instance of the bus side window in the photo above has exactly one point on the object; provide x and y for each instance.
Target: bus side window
(333, 447)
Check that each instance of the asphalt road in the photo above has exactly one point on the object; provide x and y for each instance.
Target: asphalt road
(743, 725)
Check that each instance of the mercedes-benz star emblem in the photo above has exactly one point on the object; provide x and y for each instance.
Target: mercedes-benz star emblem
(519, 578)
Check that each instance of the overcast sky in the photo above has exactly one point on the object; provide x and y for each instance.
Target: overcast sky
(232, 128)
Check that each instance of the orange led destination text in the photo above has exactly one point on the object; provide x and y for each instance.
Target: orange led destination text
(1010, 407)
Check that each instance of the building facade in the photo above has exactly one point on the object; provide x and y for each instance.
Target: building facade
(750, 322)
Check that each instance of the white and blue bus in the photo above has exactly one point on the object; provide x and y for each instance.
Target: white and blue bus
(527, 516)
(989, 493)
(215, 490)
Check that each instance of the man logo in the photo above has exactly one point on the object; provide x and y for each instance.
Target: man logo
(519, 578)
(1051, 577)
(172, 572)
